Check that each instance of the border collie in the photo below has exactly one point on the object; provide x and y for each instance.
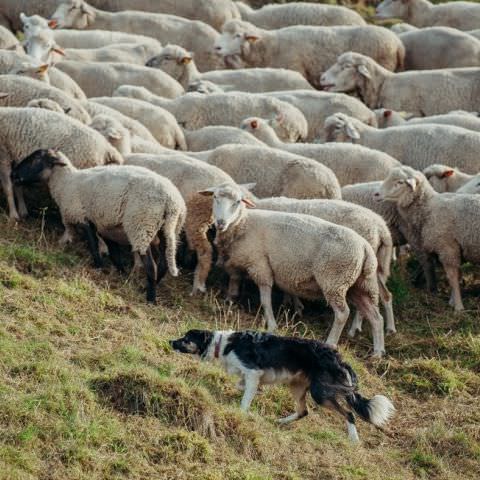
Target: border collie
(302, 364)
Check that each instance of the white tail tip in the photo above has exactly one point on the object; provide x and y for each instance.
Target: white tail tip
(381, 410)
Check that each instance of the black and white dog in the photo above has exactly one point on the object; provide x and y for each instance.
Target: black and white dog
(263, 358)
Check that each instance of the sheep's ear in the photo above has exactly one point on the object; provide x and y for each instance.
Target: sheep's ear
(114, 134)
(186, 60)
(23, 17)
(363, 70)
(52, 24)
(448, 173)
(254, 124)
(208, 192)
(42, 68)
(251, 38)
(387, 113)
(67, 110)
(248, 203)
(248, 186)
(412, 183)
(58, 50)
(352, 131)
(4, 95)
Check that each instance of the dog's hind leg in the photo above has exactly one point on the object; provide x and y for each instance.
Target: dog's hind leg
(299, 392)
(252, 380)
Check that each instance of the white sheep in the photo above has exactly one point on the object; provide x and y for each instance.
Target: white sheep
(180, 64)
(23, 130)
(19, 90)
(317, 106)
(445, 225)
(195, 36)
(303, 255)
(190, 176)
(415, 145)
(45, 103)
(308, 50)
(446, 179)
(8, 41)
(402, 27)
(440, 47)
(112, 201)
(194, 111)
(160, 122)
(350, 163)
(421, 93)
(390, 118)
(275, 172)
(471, 187)
(120, 137)
(102, 79)
(271, 17)
(208, 138)
(135, 128)
(422, 13)
(369, 225)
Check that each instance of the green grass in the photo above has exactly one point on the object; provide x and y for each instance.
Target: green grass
(90, 389)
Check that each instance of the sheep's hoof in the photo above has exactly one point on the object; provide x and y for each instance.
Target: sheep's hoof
(15, 218)
(391, 331)
(174, 272)
(353, 331)
(198, 289)
(377, 355)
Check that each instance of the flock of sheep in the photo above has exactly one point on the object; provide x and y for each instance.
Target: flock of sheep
(314, 143)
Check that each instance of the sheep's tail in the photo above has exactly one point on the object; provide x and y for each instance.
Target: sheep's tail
(173, 221)
(377, 411)
(113, 156)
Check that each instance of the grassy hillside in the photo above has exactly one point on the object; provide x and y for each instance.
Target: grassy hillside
(89, 388)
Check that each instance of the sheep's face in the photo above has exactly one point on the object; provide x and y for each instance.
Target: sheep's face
(114, 132)
(471, 187)
(73, 14)
(172, 60)
(392, 9)
(401, 186)
(37, 167)
(344, 75)
(340, 128)
(236, 40)
(33, 24)
(46, 104)
(30, 70)
(42, 47)
(204, 87)
(439, 177)
(228, 204)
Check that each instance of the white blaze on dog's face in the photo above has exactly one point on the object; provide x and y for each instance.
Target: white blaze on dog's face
(73, 14)
(228, 203)
(401, 186)
(343, 75)
(392, 9)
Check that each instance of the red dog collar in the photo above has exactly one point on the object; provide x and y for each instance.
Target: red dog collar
(216, 352)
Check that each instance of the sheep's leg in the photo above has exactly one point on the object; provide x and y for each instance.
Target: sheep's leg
(299, 393)
(341, 310)
(92, 240)
(169, 231)
(22, 208)
(386, 297)
(266, 300)
(5, 180)
(162, 267)
(454, 281)
(356, 324)
(151, 271)
(115, 254)
(293, 300)
(67, 236)
(252, 381)
(370, 311)
(233, 285)
(199, 242)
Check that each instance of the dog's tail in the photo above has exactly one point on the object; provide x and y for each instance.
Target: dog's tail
(378, 410)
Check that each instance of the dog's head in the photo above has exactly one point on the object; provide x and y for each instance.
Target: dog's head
(195, 342)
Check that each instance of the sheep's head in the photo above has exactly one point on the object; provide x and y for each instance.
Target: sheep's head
(42, 47)
(347, 73)
(471, 187)
(33, 24)
(47, 104)
(38, 166)
(204, 87)
(389, 118)
(173, 60)
(263, 129)
(402, 186)
(228, 203)
(27, 69)
(392, 9)
(236, 40)
(115, 133)
(440, 177)
(341, 128)
(73, 14)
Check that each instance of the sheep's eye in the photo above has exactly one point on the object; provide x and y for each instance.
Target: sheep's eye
(167, 57)
(237, 35)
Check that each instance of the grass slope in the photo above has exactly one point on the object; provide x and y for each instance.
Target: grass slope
(89, 388)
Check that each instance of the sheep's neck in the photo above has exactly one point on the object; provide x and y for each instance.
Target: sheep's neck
(60, 183)
(255, 57)
(419, 12)
(459, 180)
(225, 240)
(268, 136)
(189, 75)
(102, 20)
